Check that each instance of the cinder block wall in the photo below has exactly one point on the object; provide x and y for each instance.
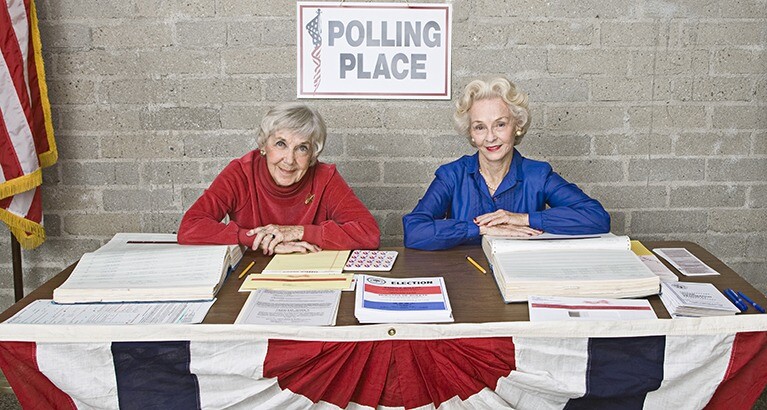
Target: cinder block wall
(658, 109)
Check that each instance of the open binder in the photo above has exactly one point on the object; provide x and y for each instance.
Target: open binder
(148, 267)
(602, 266)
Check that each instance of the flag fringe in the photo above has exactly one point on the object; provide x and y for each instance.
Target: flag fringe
(29, 234)
(21, 184)
(49, 157)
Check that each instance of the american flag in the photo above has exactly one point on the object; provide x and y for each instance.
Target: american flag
(26, 131)
(315, 31)
(716, 363)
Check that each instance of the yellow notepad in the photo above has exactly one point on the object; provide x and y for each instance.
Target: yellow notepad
(297, 282)
(308, 263)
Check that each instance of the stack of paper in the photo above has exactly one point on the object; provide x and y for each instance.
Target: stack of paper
(148, 268)
(690, 299)
(410, 300)
(584, 267)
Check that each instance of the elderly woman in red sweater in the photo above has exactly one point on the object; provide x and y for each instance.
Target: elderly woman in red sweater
(279, 198)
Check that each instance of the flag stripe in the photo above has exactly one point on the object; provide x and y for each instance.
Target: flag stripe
(21, 203)
(675, 364)
(26, 132)
(620, 372)
(17, 12)
(549, 372)
(693, 367)
(746, 376)
(403, 306)
(155, 375)
(19, 144)
(83, 370)
(14, 94)
(227, 380)
(412, 290)
(20, 366)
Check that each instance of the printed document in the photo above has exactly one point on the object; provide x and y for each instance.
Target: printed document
(687, 263)
(45, 312)
(294, 308)
(653, 263)
(548, 308)
(401, 300)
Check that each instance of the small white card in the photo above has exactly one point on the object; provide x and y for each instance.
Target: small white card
(361, 260)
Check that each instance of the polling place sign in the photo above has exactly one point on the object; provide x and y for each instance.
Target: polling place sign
(373, 50)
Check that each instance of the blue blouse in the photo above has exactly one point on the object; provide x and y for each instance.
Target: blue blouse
(444, 216)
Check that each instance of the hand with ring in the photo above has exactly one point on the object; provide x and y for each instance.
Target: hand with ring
(269, 236)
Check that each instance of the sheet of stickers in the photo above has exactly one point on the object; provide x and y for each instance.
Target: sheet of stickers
(380, 261)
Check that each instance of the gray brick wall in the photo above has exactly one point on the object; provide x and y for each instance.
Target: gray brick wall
(659, 109)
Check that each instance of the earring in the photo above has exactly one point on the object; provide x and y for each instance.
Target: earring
(263, 154)
(519, 133)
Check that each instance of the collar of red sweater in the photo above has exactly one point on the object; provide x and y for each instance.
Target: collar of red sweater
(264, 178)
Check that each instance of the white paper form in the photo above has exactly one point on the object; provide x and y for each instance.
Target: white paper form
(99, 270)
(571, 264)
(653, 263)
(549, 308)
(687, 263)
(45, 312)
(294, 308)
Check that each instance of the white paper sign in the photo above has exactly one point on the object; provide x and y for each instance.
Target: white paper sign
(373, 50)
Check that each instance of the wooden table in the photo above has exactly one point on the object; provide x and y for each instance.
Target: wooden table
(474, 296)
(491, 354)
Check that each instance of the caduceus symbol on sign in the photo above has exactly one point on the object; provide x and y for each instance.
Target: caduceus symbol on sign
(314, 30)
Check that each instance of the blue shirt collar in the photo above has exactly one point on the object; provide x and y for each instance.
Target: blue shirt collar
(511, 178)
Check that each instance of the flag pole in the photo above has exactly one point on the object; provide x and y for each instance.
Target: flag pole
(18, 279)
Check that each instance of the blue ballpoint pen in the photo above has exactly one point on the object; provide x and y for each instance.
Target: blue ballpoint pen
(735, 300)
(754, 304)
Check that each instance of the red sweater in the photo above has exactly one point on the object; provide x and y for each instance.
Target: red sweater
(334, 219)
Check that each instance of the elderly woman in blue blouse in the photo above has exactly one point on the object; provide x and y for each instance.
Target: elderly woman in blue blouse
(497, 191)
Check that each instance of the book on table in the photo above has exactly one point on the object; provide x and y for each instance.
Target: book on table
(148, 267)
(599, 266)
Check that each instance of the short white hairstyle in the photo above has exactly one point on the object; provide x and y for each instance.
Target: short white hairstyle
(299, 118)
(499, 87)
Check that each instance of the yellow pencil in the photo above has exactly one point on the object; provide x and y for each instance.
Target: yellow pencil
(246, 270)
(476, 265)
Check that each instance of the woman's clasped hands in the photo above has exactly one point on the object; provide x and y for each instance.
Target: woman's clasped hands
(505, 223)
(274, 239)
